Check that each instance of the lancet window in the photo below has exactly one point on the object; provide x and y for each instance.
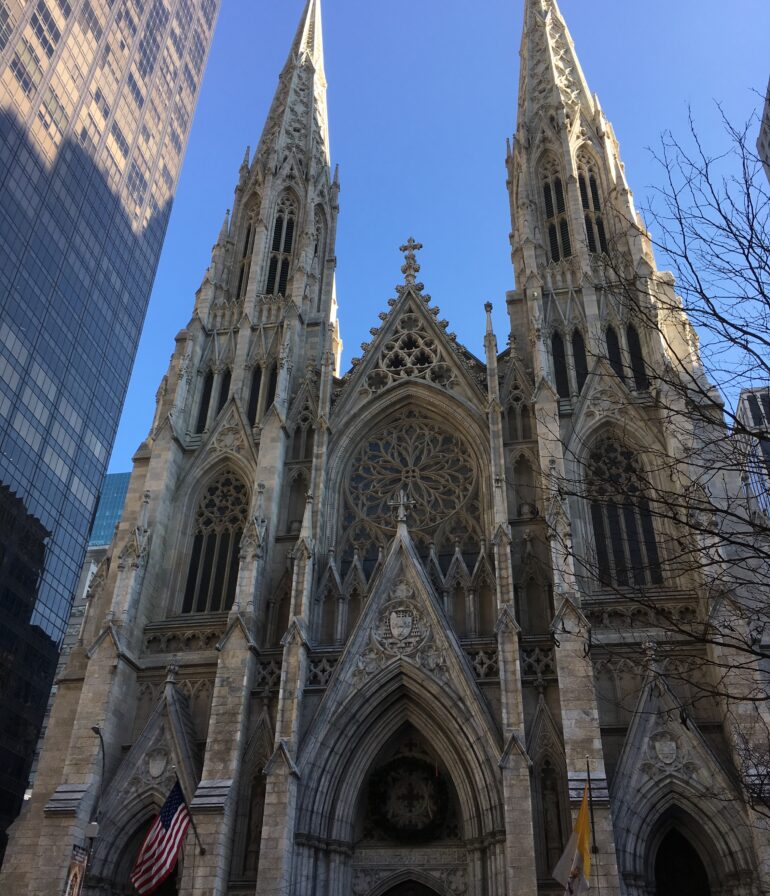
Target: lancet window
(224, 388)
(281, 248)
(580, 359)
(626, 545)
(518, 418)
(550, 813)
(555, 205)
(244, 266)
(272, 385)
(614, 354)
(560, 365)
(588, 183)
(205, 402)
(214, 559)
(254, 390)
(302, 437)
(638, 367)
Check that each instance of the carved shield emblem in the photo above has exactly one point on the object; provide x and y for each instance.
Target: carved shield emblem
(666, 750)
(401, 624)
(157, 762)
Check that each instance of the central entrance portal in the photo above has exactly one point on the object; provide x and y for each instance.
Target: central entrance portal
(410, 888)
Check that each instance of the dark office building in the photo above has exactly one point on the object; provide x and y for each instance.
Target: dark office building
(97, 101)
(27, 652)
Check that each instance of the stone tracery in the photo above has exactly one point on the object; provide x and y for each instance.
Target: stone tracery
(436, 470)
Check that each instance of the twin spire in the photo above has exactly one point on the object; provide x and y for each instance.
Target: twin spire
(298, 116)
(551, 77)
(308, 40)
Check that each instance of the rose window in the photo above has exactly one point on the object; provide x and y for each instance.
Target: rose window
(436, 471)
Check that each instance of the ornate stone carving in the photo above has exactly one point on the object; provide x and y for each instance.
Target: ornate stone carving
(435, 469)
(268, 674)
(401, 629)
(321, 670)
(538, 663)
(485, 663)
(175, 640)
(229, 437)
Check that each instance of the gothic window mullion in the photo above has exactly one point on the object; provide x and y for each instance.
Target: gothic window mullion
(213, 575)
(556, 215)
(231, 575)
(214, 562)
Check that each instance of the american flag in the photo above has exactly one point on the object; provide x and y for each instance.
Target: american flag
(161, 846)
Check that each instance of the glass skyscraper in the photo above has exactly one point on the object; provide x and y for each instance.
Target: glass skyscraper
(97, 101)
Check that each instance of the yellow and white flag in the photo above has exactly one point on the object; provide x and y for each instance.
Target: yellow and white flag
(574, 869)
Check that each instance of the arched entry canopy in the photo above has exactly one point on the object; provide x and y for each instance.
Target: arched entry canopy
(411, 888)
(679, 869)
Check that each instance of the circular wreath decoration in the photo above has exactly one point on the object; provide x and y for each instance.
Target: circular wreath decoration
(408, 799)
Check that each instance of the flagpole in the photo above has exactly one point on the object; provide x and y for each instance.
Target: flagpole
(594, 847)
(195, 831)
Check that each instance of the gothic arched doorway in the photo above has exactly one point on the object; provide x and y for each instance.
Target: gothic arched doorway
(411, 888)
(679, 870)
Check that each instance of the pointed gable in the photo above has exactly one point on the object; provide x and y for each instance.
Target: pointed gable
(412, 344)
(164, 751)
(404, 622)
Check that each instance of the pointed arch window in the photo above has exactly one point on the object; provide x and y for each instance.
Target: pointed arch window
(214, 560)
(244, 266)
(519, 419)
(614, 354)
(550, 813)
(302, 437)
(556, 221)
(580, 359)
(627, 551)
(254, 389)
(588, 183)
(638, 367)
(272, 385)
(281, 248)
(205, 402)
(560, 365)
(224, 389)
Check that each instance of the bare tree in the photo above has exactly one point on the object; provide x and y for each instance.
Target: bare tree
(678, 535)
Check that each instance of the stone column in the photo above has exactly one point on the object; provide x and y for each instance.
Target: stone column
(282, 785)
(582, 737)
(214, 806)
(520, 863)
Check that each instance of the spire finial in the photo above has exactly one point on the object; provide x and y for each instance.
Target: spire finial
(401, 506)
(411, 267)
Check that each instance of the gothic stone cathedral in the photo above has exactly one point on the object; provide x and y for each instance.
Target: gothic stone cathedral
(335, 607)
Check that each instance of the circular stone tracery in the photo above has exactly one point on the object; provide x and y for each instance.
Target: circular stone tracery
(437, 471)
(432, 466)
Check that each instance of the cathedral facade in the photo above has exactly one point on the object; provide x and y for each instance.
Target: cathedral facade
(346, 611)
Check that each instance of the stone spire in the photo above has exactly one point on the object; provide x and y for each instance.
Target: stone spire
(298, 116)
(309, 37)
(551, 78)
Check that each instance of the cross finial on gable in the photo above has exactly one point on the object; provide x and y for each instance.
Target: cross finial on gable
(401, 506)
(411, 267)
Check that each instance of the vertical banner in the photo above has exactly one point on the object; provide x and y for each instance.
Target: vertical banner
(76, 875)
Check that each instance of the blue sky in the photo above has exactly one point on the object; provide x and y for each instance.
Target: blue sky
(422, 96)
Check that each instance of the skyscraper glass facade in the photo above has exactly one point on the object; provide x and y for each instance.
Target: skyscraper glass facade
(97, 99)
(109, 510)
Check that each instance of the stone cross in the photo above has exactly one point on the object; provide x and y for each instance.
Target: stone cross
(411, 267)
